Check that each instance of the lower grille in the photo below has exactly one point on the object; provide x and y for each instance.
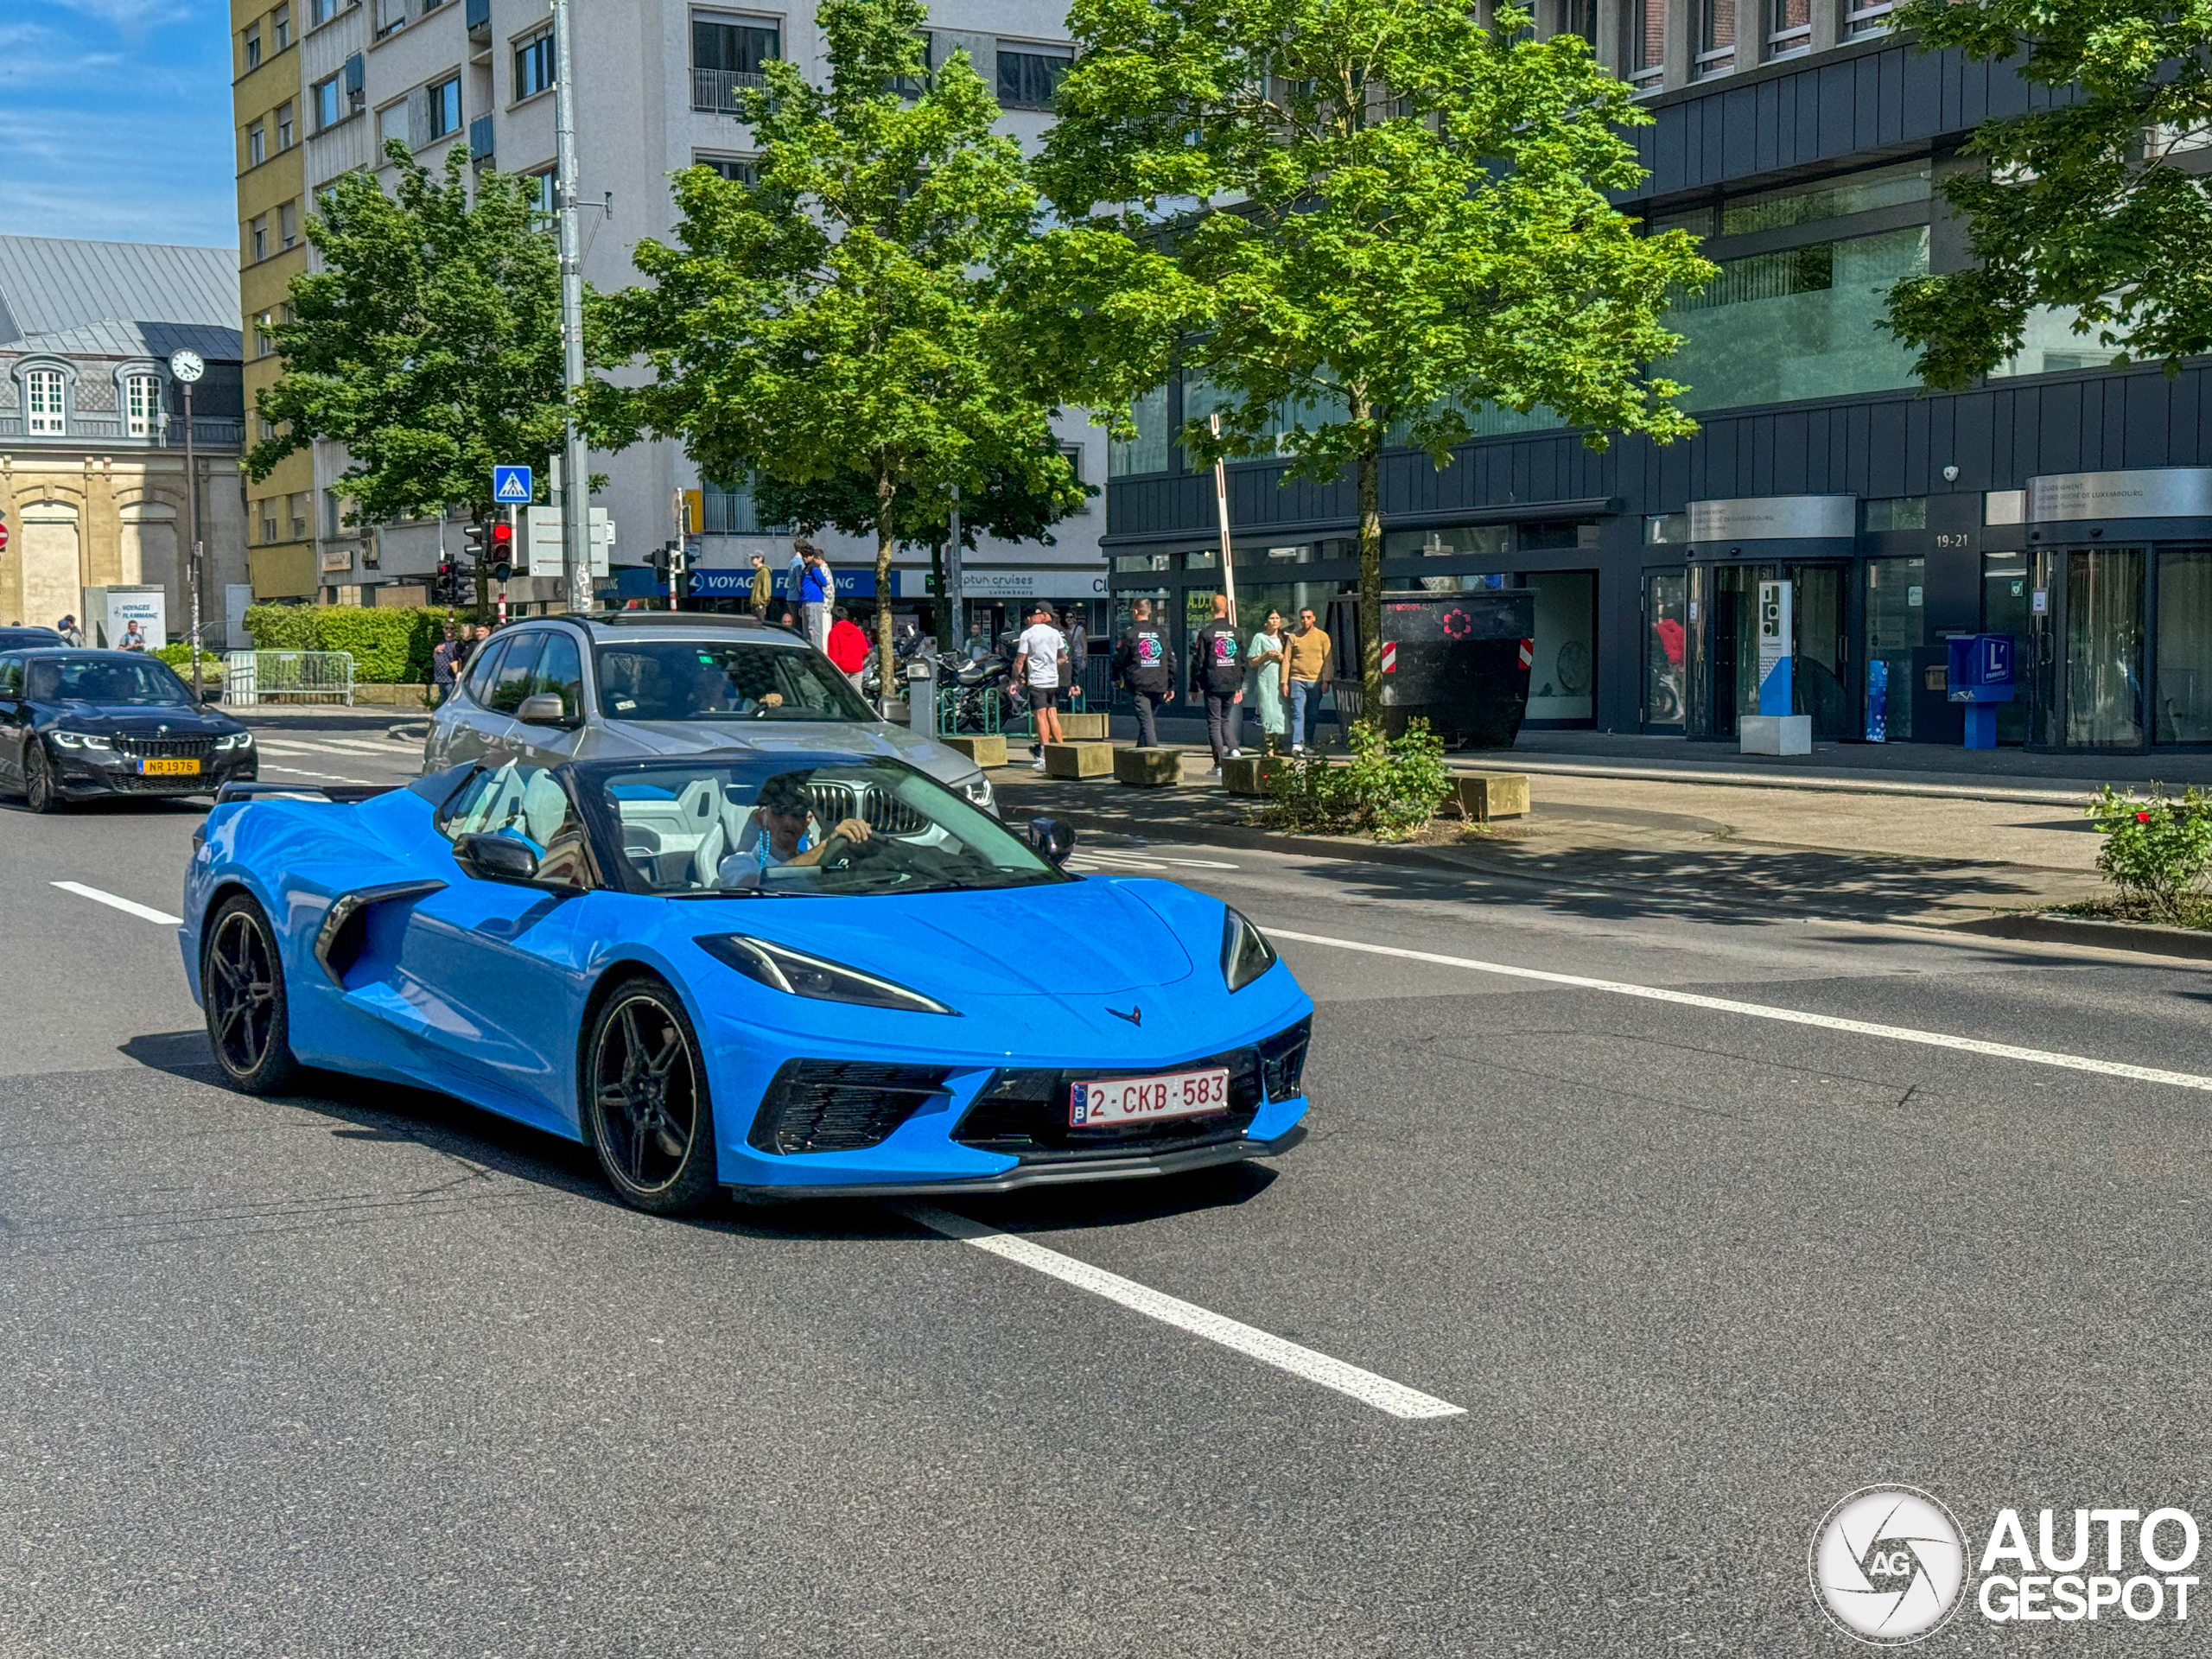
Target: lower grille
(166, 748)
(839, 1105)
(1024, 1113)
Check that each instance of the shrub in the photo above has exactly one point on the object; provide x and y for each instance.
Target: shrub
(2157, 850)
(179, 657)
(1389, 790)
(391, 645)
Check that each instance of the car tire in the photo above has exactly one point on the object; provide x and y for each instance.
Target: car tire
(645, 1099)
(42, 789)
(242, 991)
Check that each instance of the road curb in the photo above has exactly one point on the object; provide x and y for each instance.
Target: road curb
(2042, 928)
(1818, 785)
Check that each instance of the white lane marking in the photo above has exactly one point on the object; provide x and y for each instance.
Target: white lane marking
(1148, 861)
(130, 906)
(332, 752)
(326, 777)
(1380, 1392)
(1789, 1016)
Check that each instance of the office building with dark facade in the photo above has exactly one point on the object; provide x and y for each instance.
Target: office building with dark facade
(2064, 500)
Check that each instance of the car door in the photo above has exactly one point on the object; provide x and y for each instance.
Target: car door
(458, 729)
(508, 685)
(558, 672)
(14, 720)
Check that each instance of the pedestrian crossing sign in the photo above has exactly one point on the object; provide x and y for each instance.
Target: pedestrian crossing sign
(511, 485)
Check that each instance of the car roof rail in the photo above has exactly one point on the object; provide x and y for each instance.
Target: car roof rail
(670, 619)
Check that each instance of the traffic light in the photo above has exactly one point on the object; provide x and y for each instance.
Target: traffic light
(502, 550)
(448, 590)
(660, 560)
(474, 538)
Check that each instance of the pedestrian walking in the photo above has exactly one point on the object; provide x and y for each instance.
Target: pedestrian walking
(764, 587)
(70, 633)
(1218, 675)
(1263, 681)
(1040, 654)
(847, 647)
(818, 588)
(1306, 675)
(1145, 662)
(443, 668)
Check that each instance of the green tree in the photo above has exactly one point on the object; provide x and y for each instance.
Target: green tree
(845, 316)
(1410, 221)
(2094, 201)
(430, 344)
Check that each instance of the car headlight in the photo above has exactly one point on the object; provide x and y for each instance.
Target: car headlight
(81, 741)
(235, 741)
(1245, 952)
(782, 968)
(978, 790)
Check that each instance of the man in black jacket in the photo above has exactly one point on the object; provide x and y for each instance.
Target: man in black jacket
(1218, 675)
(1145, 662)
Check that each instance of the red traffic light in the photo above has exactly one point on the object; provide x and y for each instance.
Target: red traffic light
(502, 534)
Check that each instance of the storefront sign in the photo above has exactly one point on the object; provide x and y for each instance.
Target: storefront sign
(1775, 519)
(2146, 492)
(1048, 582)
(1775, 635)
(132, 619)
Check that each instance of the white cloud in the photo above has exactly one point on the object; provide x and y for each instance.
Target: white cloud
(136, 14)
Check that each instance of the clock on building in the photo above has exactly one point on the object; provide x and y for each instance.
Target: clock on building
(187, 365)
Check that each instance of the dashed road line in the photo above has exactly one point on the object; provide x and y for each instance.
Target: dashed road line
(129, 905)
(1394, 1398)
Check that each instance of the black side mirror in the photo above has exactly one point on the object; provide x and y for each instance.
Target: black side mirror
(1054, 838)
(495, 858)
(212, 694)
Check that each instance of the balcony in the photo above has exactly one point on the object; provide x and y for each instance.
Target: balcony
(106, 431)
(715, 90)
(479, 18)
(479, 141)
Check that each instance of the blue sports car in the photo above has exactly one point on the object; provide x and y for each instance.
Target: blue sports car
(787, 974)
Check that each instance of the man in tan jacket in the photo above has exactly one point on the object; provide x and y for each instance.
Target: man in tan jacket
(1306, 675)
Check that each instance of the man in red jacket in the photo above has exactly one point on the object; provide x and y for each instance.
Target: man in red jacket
(847, 647)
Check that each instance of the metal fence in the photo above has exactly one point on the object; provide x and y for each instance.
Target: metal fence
(251, 677)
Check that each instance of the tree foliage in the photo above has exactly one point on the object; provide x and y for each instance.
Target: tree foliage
(2093, 201)
(429, 346)
(1408, 221)
(845, 315)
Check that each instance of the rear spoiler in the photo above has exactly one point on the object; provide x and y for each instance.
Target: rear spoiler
(342, 794)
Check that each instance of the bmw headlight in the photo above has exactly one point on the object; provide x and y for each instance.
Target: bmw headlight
(81, 741)
(235, 741)
(1245, 952)
(782, 968)
(978, 791)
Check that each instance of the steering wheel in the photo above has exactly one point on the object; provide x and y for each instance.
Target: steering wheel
(842, 854)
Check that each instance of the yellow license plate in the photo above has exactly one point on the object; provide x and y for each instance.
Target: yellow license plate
(170, 768)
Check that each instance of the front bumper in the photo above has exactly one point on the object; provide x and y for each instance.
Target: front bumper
(84, 773)
(1043, 1175)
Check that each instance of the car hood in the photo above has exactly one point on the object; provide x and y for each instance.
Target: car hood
(135, 719)
(811, 736)
(1081, 938)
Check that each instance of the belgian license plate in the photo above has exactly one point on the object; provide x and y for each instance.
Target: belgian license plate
(170, 768)
(1140, 1099)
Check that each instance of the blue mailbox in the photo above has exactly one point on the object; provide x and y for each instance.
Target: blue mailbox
(1981, 677)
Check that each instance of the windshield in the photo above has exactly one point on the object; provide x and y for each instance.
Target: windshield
(103, 679)
(719, 679)
(765, 826)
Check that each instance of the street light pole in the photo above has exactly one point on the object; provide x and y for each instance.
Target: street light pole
(575, 494)
(187, 365)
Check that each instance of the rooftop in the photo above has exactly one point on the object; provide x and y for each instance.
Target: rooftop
(147, 298)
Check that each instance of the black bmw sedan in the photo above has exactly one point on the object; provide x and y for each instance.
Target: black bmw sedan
(78, 723)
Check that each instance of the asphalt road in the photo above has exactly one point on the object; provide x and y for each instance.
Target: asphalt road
(368, 1372)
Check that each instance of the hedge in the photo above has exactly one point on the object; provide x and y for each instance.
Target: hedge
(391, 645)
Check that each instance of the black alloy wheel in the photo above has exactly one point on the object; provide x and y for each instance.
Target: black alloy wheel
(645, 1100)
(42, 789)
(241, 988)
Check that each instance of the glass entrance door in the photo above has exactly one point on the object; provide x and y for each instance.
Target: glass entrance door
(1894, 631)
(1817, 673)
(2184, 668)
(1666, 615)
(2103, 627)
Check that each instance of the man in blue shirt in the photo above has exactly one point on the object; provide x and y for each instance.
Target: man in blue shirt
(818, 587)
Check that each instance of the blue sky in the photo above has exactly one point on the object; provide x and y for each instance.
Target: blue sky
(115, 120)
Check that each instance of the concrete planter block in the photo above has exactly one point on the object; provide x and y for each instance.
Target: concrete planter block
(1251, 774)
(1148, 767)
(1487, 795)
(1082, 727)
(983, 750)
(1775, 734)
(1079, 760)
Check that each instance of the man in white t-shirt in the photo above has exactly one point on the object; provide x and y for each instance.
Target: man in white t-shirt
(1037, 661)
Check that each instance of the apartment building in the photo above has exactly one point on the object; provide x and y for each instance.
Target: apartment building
(659, 87)
(271, 127)
(2063, 501)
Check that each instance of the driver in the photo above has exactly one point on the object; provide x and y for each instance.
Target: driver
(712, 694)
(781, 816)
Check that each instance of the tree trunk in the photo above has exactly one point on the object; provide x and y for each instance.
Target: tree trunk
(886, 486)
(1370, 467)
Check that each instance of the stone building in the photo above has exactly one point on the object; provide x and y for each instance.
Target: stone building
(92, 482)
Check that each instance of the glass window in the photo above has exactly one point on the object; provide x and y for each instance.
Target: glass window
(42, 395)
(2049, 346)
(252, 39)
(1555, 534)
(1147, 451)
(510, 682)
(284, 125)
(287, 224)
(915, 85)
(2184, 710)
(330, 104)
(146, 681)
(560, 673)
(1897, 512)
(1647, 41)
(1776, 328)
(1138, 562)
(1855, 193)
(1560, 680)
(765, 827)
(1666, 615)
(1788, 28)
(11, 677)
(738, 170)
(1262, 557)
(321, 12)
(1666, 529)
(142, 405)
(483, 666)
(2004, 609)
(2104, 647)
(1460, 541)
(256, 145)
(1716, 36)
(533, 66)
(719, 680)
(390, 14)
(1865, 17)
(544, 215)
(726, 60)
(445, 107)
(1030, 75)
(733, 510)
(391, 123)
(280, 26)
(527, 802)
